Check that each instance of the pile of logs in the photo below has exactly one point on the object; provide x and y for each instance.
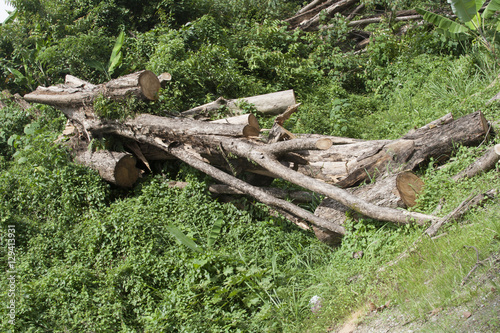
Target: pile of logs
(228, 149)
(308, 18)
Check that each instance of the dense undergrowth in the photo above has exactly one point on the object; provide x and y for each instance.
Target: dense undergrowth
(93, 258)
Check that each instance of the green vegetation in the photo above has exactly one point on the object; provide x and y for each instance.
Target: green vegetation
(90, 257)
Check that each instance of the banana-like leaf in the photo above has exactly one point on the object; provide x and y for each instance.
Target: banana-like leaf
(183, 239)
(491, 9)
(116, 55)
(465, 9)
(12, 16)
(475, 23)
(214, 233)
(442, 22)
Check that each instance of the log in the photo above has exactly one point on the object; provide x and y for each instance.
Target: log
(366, 21)
(244, 119)
(115, 167)
(197, 143)
(383, 193)
(175, 129)
(272, 104)
(75, 93)
(483, 164)
(413, 149)
(308, 13)
(312, 23)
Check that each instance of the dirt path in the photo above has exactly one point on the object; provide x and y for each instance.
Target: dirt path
(481, 314)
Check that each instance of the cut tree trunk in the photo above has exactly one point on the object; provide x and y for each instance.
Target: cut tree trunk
(271, 104)
(75, 93)
(409, 187)
(482, 164)
(244, 119)
(349, 165)
(116, 167)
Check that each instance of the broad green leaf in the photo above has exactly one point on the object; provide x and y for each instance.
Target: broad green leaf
(12, 16)
(17, 74)
(95, 64)
(442, 22)
(475, 23)
(116, 55)
(491, 9)
(215, 232)
(464, 9)
(183, 239)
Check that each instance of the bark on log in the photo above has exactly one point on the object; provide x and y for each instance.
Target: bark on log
(76, 93)
(272, 104)
(358, 162)
(365, 22)
(115, 167)
(482, 164)
(312, 23)
(244, 119)
(383, 193)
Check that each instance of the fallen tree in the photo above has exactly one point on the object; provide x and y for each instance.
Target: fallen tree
(305, 160)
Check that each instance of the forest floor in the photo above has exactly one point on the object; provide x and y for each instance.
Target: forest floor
(481, 313)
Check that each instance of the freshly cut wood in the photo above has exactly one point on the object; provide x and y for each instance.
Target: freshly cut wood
(471, 202)
(204, 145)
(273, 103)
(75, 93)
(482, 164)
(244, 119)
(409, 186)
(143, 85)
(163, 78)
(116, 167)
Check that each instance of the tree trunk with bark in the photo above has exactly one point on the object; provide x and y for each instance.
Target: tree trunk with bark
(116, 167)
(235, 146)
(271, 104)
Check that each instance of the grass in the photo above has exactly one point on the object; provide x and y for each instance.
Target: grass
(433, 275)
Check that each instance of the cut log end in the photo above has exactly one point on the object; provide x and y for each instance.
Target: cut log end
(150, 85)
(126, 174)
(250, 131)
(409, 187)
(115, 167)
(324, 144)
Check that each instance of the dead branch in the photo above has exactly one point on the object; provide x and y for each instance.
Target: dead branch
(483, 164)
